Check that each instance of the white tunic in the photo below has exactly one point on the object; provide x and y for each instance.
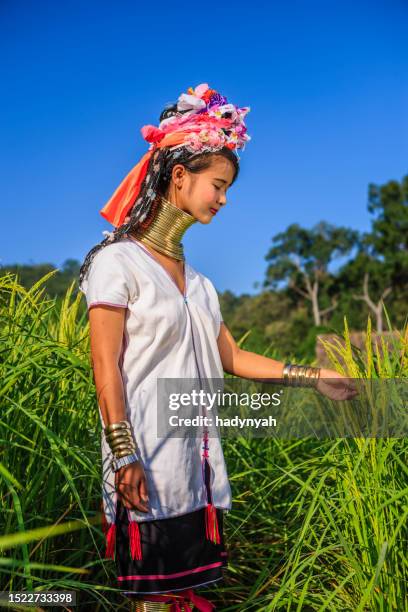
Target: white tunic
(166, 335)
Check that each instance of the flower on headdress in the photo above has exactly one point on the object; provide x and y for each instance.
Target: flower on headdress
(210, 96)
(243, 110)
(233, 136)
(216, 138)
(224, 109)
(203, 135)
(152, 134)
(240, 129)
(200, 90)
(206, 139)
(216, 99)
(189, 102)
(193, 141)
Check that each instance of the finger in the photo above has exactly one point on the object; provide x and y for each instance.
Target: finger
(141, 507)
(351, 390)
(128, 494)
(135, 506)
(131, 499)
(143, 490)
(135, 503)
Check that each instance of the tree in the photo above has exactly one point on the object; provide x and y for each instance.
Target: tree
(70, 268)
(375, 307)
(381, 265)
(301, 258)
(388, 239)
(28, 274)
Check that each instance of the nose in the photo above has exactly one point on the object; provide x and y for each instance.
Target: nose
(222, 200)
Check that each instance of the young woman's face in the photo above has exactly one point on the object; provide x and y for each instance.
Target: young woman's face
(203, 194)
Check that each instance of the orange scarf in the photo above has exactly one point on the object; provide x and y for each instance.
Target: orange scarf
(116, 209)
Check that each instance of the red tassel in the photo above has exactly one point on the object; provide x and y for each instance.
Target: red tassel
(109, 531)
(110, 542)
(134, 540)
(211, 524)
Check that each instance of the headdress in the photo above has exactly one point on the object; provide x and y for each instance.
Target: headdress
(204, 122)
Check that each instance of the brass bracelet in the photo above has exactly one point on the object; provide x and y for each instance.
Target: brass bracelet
(122, 440)
(121, 425)
(300, 376)
(124, 453)
(119, 447)
(129, 450)
(312, 376)
(122, 444)
(119, 437)
(285, 373)
(115, 435)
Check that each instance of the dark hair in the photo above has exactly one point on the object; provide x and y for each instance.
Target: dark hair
(156, 182)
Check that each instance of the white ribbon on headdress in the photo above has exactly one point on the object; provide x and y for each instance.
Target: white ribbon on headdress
(189, 102)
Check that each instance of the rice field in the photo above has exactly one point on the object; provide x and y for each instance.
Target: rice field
(315, 525)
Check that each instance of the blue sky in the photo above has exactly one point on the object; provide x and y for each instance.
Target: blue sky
(326, 83)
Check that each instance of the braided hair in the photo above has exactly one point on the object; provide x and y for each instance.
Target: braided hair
(157, 181)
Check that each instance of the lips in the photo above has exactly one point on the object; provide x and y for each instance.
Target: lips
(214, 211)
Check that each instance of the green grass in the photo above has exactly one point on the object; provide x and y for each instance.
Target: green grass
(315, 525)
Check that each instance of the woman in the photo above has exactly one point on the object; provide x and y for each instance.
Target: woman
(152, 316)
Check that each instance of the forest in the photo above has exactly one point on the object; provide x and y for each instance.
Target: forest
(306, 291)
(314, 278)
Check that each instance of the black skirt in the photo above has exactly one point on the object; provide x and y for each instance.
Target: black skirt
(176, 554)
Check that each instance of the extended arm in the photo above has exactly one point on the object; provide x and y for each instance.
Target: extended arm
(246, 364)
(106, 331)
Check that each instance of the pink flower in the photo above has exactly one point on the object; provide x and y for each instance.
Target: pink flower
(201, 89)
(193, 141)
(152, 133)
(215, 138)
(203, 135)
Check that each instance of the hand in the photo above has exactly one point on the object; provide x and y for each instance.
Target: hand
(336, 386)
(130, 483)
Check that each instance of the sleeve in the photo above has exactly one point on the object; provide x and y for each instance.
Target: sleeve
(219, 313)
(109, 280)
(221, 319)
(216, 306)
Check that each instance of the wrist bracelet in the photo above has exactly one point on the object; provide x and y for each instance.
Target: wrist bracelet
(120, 440)
(300, 376)
(117, 426)
(124, 453)
(120, 462)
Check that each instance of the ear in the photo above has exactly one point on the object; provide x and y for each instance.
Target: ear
(177, 174)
